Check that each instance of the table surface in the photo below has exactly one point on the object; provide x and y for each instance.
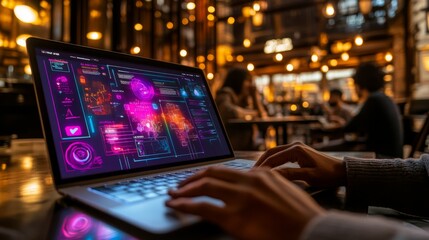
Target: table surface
(30, 208)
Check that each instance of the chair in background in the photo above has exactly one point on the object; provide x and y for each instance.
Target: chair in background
(420, 143)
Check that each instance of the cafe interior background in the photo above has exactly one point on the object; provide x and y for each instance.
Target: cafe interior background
(296, 49)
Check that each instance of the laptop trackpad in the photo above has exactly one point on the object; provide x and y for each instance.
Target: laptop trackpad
(153, 216)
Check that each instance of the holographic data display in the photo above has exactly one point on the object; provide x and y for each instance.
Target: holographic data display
(109, 116)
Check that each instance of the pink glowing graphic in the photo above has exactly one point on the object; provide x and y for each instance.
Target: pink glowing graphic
(62, 85)
(72, 131)
(81, 156)
(142, 89)
(178, 122)
(76, 226)
(146, 118)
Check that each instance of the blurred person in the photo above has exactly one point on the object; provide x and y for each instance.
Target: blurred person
(338, 112)
(239, 99)
(377, 126)
(379, 119)
(263, 204)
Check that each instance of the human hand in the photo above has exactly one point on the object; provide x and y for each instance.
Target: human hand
(258, 204)
(316, 168)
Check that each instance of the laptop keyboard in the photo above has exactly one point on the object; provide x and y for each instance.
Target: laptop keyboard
(154, 186)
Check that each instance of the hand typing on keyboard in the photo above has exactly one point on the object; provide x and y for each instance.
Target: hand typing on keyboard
(315, 168)
(258, 204)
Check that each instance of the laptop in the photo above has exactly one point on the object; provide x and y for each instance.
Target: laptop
(121, 130)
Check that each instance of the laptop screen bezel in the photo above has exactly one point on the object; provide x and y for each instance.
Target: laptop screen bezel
(36, 43)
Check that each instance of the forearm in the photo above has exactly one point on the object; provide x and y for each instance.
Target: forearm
(338, 225)
(394, 183)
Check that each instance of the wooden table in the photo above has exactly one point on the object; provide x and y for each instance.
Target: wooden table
(30, 208)
(279, 123)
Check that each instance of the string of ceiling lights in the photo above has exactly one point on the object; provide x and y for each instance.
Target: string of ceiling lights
(253, 12)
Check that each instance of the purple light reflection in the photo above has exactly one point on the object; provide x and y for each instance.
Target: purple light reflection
(76, 226)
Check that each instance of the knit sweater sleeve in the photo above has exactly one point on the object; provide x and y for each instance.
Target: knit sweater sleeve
(336, 225)
(394, 183)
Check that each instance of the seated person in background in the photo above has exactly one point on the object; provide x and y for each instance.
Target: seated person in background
(379, 118)
(263, 204)
(238, 98)
(338, 113)
(378, 122)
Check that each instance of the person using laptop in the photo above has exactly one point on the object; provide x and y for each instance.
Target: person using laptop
(263, 204)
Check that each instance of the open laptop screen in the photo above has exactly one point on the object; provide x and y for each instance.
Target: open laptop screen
(108, 115)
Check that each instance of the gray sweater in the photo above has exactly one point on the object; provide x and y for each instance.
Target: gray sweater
(392, 183)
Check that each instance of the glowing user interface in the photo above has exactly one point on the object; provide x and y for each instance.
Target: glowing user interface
(109, 116)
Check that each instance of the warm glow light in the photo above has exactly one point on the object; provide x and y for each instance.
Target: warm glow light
(94, 14)
(211, 9)
(250, 67)
(135, 50)
(31, 188)
(240, 58)
(279, 57)
(388, 57)
(27, 163)
(192, 18)
(305, 104)
(190, 6)
(324, 68)
(138, 26)
(293, 107)
(247, 11)
(388, 78)
(210, 17)
(389, 68)
(289, 67)
(185, 21)
(210, 57)
(170, 25)
(210, 76)
(3, 166)
(229, 58)
(365, 6)
(201, 58)
(183, 53)
(333, 62)
(202, 66)
(345, 56)
(258, 19)
(27, 69)
(329, 10)
(94, 35)
(247, 43)
(231, 20)
(256, 6)
(20, 40)
(139, 4)
(25, 13)
(314, 57)
(358, 40)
